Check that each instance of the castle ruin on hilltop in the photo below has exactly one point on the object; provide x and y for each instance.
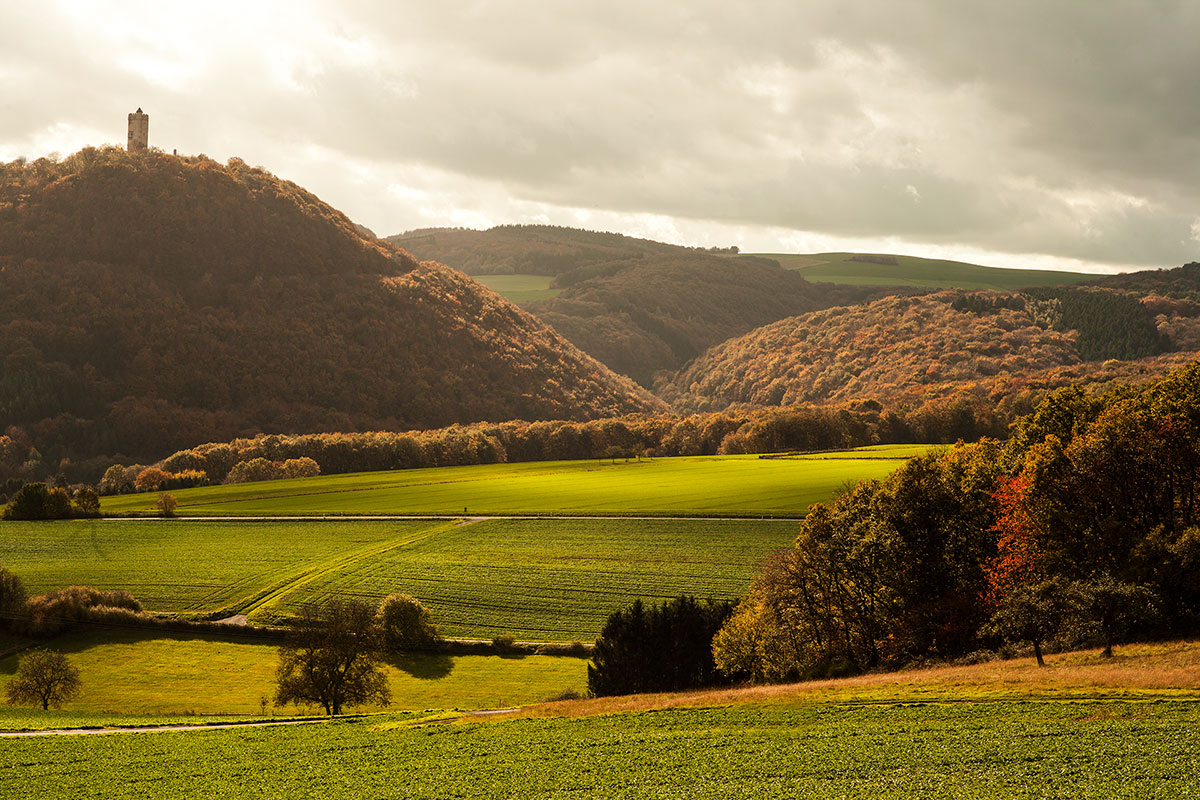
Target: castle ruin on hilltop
(139, 131)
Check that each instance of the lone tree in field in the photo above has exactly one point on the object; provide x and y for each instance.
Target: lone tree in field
(1034, 613)
(332, 658)
(404, 623)
(45, 677)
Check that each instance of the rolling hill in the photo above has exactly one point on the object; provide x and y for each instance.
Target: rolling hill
(151, 302)
(929, 346)
(638, 306)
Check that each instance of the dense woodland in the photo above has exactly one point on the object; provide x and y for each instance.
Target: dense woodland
(150, 302)
(1082, 527)
(909, 347)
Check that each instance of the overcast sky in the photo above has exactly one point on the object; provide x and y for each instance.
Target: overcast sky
(1022, 133)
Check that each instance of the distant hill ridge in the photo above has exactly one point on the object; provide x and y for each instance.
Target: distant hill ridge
(151, 302)
(639, 306)
(906, 346)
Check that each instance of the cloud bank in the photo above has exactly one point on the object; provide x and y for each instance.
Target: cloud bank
(1021, 134)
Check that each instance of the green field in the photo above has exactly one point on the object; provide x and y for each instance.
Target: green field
(539, 580)
(928, 273)
(520, 288)
(1101, 749)
(698, 486)
(163, 675)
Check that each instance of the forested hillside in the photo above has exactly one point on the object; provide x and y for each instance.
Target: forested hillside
(151, 302)
(636, 305)
(648, 315)
(915, 346)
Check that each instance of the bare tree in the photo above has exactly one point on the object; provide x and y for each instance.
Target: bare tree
(46, 677)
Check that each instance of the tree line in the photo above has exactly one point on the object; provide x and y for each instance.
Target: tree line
(1081, 528)
(762, 430)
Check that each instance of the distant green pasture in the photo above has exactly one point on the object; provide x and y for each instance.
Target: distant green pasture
(930, 273)
(699, 485)
(539, 580)
(518, 288)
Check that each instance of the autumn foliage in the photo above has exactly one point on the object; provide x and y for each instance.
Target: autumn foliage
(150, 302)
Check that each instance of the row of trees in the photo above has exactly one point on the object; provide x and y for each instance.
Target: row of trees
(1082, 527)
(767, 430)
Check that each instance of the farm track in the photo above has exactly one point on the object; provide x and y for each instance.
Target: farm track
(226, 725)
(281, 589)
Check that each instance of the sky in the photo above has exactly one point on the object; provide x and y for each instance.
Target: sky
(1025, 133)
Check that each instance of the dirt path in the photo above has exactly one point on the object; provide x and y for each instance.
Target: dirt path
(212, 726)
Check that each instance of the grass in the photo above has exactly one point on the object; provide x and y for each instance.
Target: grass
(697, 486)
(1104, 741)
(167, 677)
(537, 579)
(520, 288)
(921, 272)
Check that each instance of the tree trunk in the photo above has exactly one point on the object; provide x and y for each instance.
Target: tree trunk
(1108, 643)
(1037, 651)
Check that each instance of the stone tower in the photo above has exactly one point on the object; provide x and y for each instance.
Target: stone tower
(139, 131)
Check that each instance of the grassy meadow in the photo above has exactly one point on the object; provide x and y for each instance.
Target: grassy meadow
(520, 288)
(172, 675)
(536, 579)
(695, 486)
(1083, 727)
(929, 273)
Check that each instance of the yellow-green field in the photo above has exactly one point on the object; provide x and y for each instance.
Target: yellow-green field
(138, 673)
(520, 288)
(536, 579)
(692, 486)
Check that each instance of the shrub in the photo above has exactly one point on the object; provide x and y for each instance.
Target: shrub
(54, 612)
(86, 502)
(303, 467)
(504, 643)
(256, 469)
(115, 481)
(167, 504)
(36, 501)
(405, 623)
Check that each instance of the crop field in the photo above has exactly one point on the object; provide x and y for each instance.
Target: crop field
(1099, 749)
(1082, 727)
(536, 579)
(696, 486)
(922, 272)
(170, 675)
(520, 288)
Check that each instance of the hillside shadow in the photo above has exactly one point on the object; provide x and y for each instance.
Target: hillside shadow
(425, 666)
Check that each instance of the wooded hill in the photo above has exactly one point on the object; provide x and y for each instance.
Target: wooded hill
(918, 347)
(636, 305)
(150, 302)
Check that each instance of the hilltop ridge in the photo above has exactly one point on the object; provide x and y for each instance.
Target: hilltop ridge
(150, 302)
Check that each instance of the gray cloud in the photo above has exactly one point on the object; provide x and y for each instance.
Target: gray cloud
(1064, 129)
